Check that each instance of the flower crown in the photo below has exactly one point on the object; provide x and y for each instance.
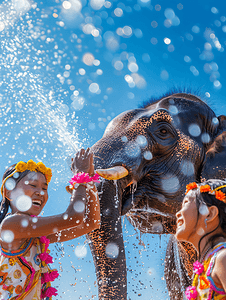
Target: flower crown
(31, 166)
(37, 167)
(219, 195)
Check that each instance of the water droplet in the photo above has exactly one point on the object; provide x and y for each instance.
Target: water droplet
(66, 5)
(187, 168)
(173, 110)
(26, 182)
(148, 155)
(215, 121)
(169, 13)
(81, 251)
(157, 227)
(16, 175)
(170, 184)
(23, 203)
(10, 184)
(203, 209)
(79, 206)
(78, 102)
(97, 4)
(200, 231)
(133, 67)
(7, 236)
(205, 138)
(194, 130)
(88, 59)
(65, 216)
(24, 223)
(124, 139)
(42, 193)
(112, 250)
(132, 149)
(141, 140)
(94, 87)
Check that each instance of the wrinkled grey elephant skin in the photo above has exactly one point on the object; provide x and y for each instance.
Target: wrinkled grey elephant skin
(164, 145)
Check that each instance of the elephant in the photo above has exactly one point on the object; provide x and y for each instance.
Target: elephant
(147, 156)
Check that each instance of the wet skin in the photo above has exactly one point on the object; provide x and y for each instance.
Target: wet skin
(71, 223)
(35, 187)
(187, 219)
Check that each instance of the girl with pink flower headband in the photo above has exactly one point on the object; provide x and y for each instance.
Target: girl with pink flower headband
(25, 271)
(202, 222)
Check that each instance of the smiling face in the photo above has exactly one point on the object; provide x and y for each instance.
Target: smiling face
(187, 219)
(30, 194)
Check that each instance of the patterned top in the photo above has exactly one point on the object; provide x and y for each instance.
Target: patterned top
(23, 272)
(206, 288)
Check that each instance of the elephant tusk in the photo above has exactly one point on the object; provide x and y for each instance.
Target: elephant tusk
(114, 173)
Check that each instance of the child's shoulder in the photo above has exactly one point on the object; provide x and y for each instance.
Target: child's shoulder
(12, 221)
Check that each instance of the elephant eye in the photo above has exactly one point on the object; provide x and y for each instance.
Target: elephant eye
(163, 131)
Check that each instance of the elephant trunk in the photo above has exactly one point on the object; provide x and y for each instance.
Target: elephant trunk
(107, 246)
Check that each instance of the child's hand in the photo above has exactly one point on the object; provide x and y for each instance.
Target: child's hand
(83, 162)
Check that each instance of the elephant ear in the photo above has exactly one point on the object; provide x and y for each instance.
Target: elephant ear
(215, 162)
(178, 267)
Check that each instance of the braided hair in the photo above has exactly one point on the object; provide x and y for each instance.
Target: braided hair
(5, 203)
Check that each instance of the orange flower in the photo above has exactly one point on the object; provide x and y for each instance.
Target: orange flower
(205, 188)
(191, 186)
(220, 195)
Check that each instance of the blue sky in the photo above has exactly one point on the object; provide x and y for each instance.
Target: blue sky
(69, 67)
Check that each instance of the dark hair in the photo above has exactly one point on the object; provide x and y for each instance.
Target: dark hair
(4, 205)
(210, 200)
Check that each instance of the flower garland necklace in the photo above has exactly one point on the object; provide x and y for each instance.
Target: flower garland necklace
(191, 292)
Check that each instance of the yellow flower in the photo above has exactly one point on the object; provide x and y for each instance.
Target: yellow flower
(41, 167)
(21, 166)
(31, 165)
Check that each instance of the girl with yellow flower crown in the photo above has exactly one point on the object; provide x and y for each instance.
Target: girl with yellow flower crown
(202, 222)
(24, 237)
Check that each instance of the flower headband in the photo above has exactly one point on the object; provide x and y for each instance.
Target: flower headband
(31, 166)
(206, 188)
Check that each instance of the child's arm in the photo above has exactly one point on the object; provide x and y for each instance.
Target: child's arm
(90, 223)
(25, 226)
(219, 270)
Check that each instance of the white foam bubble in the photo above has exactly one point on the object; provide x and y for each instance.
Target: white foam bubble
(79, 206)
(148, 155)
(7, 236)
(81, 251)
(24, 223)
(112, 250)
(10, 184)
(203, 209)
(194, 130)
(23, 203)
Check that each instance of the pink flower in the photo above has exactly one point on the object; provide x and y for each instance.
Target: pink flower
(47, 277)
(191, 293)
(198, 268)
(45, 240)
(46, 258)
(49, 292)
(83, 178)
(53, 275)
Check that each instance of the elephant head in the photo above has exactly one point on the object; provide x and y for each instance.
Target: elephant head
(159, 147)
